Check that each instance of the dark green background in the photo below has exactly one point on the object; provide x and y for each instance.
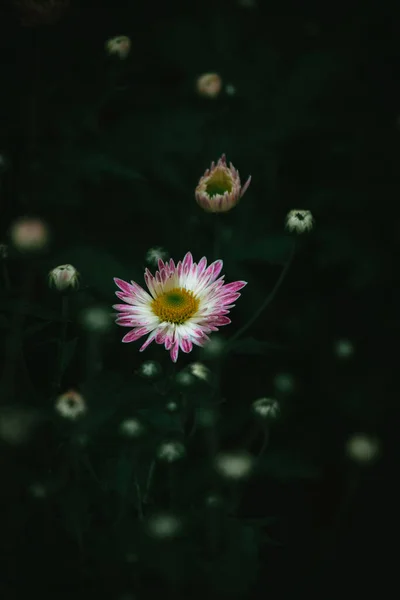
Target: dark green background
(109, 152)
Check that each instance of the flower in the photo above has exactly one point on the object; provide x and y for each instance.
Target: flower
(64, 277)
(29, 234)
(186, 302)
(299, 221)
(209, 85)
(120, 45)
(220, 189)
(70, 405)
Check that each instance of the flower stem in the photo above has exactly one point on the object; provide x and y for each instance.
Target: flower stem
(63, 337)
(267, 300)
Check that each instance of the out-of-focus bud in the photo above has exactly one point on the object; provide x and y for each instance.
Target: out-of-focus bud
(149, 369)
(96, 319)
(70, 405)
(164, 526)
(213, 348)
(153, 255)
(16, 424)
(344, 349)
(3, 251)
(209, 85)
(362, 448)
(38, 490)
(64, 277)
(284, 383)
(230, 89)
(299, 221)
(200, 371)
(266, 408)
(234, 465)
(184, 378)
(29, 234)
(131, 428)
(119, 45)
(171, 406)
(220, 188)
(171, 451)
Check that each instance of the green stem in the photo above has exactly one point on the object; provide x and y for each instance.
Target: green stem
(268, 299)
(63, 337)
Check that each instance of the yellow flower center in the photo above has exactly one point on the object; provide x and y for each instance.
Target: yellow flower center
(175, 306)
(219, 182)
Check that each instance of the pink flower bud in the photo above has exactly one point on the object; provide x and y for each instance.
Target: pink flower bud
(209, 85)
(220, 188)
(64, 277)
(29, 234)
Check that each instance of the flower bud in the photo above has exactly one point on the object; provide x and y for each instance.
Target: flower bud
(220, 188)
(155, 254)
(70, 405)
(64, 277)
(29, 234)
(119, 45)
(234, 465)
(171, 451)
(299, 221)
(209, 85)
(266, 408)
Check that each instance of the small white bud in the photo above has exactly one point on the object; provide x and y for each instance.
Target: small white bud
(96, 319)
(119, 45)
(234, 465)
(171, 406)
(70, 405)
(164, 525)
(362, 448)
(299, 221)
(199, 370)
(155, 254)
(266, 408)
(149, 369)
(284, 383)
(184, 378)
(171, 451)
(343, 348)
(64, 277)
(131, 428)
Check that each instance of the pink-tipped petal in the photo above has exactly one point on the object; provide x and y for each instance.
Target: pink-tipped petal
(186, 345)
(135, 334)
(245, 187)
(174, 351)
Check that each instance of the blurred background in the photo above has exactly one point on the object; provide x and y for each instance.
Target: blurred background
(124, 478)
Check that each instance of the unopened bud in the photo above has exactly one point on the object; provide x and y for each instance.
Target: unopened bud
(119, 45)
(29, 234)
(64, 277)
(209, 85)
